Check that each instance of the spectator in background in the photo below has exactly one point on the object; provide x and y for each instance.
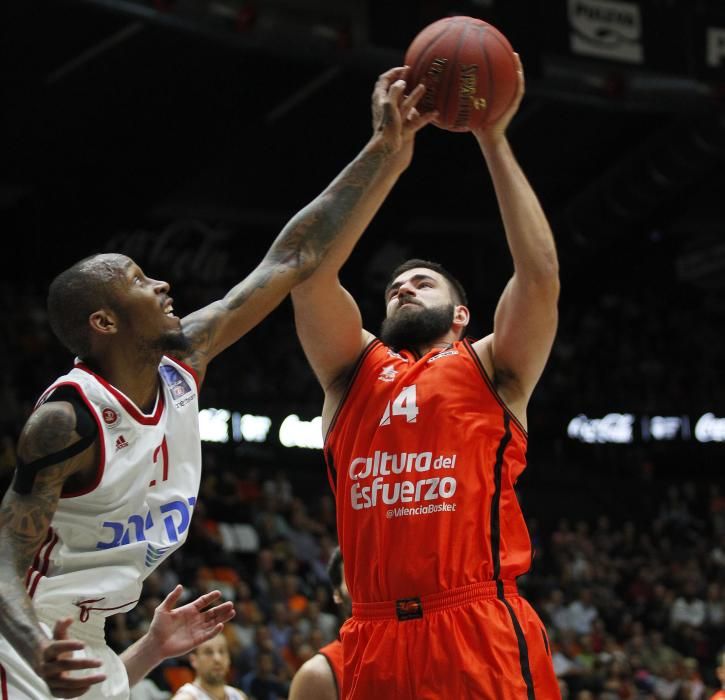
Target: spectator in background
(314, 618)
(582, 613)
(210, 662)
(242, 628)
(557, 610)
(265, 682)
(279, 628)
(688, 610)
(279, 488)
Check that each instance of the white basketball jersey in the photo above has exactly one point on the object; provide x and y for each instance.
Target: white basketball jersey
(103, 542)
(198, 693)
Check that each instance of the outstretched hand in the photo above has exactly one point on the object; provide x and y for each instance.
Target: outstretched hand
(176, 631)
(395, 117)
(57, 661)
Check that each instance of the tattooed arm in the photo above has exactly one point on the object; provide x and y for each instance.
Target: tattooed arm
(327, 318)
(323, 233)
(24, 523)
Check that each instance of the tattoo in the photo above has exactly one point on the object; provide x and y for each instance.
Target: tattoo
(308, 237)
(201, 332)
(24, 523)
(386, 118)
(48, 430)
(295, 254)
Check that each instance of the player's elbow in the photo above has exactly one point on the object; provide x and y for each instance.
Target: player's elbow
(541, 280)
(547, 268)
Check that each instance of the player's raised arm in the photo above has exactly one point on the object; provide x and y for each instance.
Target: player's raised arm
(526, 317)
(25, 516)
(323, 232)
(327, 318)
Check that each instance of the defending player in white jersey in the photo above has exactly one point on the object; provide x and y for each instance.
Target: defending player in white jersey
(109, 462)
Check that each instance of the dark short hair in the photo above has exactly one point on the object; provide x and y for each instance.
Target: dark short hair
(73, 296)
(334, 567)
(457, 290)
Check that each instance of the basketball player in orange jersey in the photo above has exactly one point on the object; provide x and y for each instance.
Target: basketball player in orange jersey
(109, 462)
(320, 678)
(425, 439)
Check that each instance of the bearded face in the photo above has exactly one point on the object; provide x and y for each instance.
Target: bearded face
(412, 324)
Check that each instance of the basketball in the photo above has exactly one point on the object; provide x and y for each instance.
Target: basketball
(469, 70)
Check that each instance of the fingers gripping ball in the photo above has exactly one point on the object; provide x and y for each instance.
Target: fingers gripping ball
(469, 70)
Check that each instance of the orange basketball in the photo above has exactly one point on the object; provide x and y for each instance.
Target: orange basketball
(468, 68)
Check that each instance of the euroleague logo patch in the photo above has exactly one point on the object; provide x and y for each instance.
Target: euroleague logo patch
(110, 417)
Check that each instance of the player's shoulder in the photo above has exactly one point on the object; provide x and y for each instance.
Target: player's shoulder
(314, 679)
(50, 428)
(185, 692)
(235, 693)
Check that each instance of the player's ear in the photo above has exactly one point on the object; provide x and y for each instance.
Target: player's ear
(103, 321)
(461, 315)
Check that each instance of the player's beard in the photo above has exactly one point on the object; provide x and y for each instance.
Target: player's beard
(214, 679)
(170, 342)
(411, 327)
(173, 342)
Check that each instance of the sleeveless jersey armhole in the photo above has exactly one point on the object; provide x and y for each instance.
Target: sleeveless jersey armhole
(489, 383)
(353, 376)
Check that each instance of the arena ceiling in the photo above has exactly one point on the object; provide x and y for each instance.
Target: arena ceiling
(121, 114)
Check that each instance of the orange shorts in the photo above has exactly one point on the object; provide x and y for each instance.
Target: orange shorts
(480, 641)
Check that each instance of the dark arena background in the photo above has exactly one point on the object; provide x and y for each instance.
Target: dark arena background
(185, 133)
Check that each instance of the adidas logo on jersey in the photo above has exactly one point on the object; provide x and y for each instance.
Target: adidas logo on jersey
(387, 374)
(121, 443)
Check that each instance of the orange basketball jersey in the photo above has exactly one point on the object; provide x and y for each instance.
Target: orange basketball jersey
(423, 456)
(333, 655)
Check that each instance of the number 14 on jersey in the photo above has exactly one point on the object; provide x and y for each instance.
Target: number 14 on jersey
(404, 404)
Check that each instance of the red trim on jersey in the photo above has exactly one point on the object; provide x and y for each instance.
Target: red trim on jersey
(44, 568)
(468, 345)
(3, 683)
(129, 406)
(36, 560)
(86, 610)
(164, 449)
(372, 344)
(188, 368)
